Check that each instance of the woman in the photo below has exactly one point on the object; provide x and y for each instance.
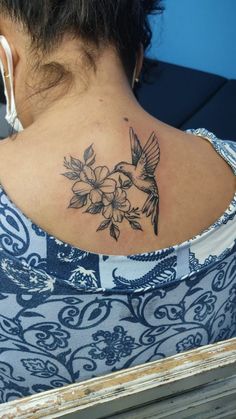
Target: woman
(117, 230)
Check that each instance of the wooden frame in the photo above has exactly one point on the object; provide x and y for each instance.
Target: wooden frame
(200, 383)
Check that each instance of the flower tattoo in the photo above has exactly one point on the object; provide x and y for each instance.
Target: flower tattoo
(116, 205)
(96, 189)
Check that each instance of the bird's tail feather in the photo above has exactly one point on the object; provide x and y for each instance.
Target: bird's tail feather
(151, 208)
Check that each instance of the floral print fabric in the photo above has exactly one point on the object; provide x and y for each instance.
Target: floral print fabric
(68, 315)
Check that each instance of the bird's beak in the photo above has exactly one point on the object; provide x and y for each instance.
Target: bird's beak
(113, 171)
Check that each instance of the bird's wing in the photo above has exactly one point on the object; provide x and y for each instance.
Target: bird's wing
(150, 156)
(135, 147)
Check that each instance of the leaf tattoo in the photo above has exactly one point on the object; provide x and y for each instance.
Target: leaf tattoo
(103, 192)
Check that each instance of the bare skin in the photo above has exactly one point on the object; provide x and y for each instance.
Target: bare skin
(195, 184)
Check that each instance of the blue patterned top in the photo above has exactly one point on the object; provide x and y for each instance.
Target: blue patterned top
(68, 315)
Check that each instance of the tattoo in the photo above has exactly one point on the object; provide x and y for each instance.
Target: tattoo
(105, 192)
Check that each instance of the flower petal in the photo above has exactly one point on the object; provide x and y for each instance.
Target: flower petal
(117, 215)
(120, 195)
(125, 206)
(95, 196)
(101, 172)
(87, 175)
(107, 211)
(108, 186)
(108, 198)
(81, 188)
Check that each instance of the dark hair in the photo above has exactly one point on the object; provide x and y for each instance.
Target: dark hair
(123, 23)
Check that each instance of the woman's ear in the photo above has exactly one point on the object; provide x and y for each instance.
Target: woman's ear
(139, 64)
(3, 58)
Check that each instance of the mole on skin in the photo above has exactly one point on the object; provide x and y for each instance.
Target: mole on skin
(126, 119)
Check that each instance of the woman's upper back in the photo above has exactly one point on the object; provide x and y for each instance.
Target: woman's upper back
(195, 186)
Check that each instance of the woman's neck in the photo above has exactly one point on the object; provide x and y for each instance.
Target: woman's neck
(74, 113)
(91, 93)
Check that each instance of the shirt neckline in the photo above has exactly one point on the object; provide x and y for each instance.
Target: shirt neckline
(199, 132)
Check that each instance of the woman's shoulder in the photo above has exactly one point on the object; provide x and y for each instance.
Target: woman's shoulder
(226, 148)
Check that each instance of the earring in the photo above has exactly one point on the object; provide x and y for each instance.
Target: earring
(7, 76)
(137, 80)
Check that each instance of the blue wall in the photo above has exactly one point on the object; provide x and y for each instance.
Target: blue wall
(199, 34)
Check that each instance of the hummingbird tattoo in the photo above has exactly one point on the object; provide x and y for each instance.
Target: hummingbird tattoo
(142, 173)
(98, 190)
